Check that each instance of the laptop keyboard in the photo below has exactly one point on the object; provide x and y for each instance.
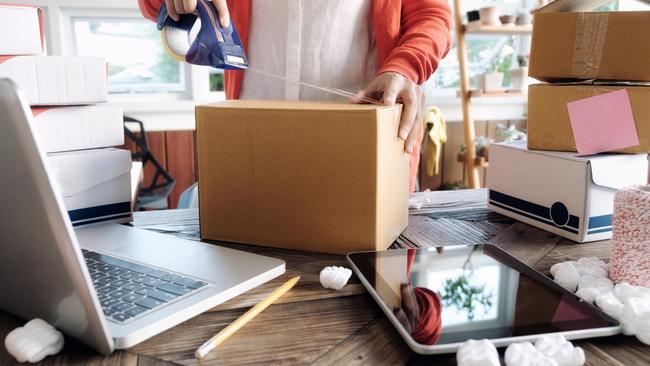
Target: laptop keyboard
(128, 290)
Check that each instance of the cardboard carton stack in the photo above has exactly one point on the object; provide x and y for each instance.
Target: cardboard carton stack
(594, 102)
(71, 122)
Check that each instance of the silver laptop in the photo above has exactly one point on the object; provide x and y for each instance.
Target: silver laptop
(108, 286)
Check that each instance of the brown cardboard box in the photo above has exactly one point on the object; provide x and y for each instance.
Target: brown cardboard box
(301, 175)
(549, 126)
(569, 44)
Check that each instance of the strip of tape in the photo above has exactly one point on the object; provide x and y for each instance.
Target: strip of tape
(591, 30)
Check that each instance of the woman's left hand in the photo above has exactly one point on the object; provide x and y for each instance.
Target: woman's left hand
(391, 87)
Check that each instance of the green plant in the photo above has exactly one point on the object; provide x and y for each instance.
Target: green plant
(509, 133)
(502, 60)
(461, 293)
(522, 60)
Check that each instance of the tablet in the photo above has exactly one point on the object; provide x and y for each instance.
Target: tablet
(437, 298)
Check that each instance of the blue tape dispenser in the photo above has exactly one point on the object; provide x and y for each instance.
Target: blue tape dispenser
(201, 40)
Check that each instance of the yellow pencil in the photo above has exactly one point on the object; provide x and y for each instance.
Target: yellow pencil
(242, 320)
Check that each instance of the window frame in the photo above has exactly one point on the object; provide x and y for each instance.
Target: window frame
(59, 35)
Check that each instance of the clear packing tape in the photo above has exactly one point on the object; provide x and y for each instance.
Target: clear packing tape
(591, 31)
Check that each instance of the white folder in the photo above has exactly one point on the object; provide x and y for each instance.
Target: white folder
(77, 128)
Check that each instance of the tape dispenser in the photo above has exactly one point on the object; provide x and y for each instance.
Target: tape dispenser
(201, 40)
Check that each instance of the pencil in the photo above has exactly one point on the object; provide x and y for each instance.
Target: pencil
(242, 320)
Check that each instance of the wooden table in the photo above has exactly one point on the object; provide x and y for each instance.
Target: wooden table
(311, 325)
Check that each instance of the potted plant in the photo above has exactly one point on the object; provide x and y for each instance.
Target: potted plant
(519, 75)
(489, 15)
(492, 80)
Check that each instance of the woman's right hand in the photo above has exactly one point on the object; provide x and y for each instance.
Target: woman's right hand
(177, 7)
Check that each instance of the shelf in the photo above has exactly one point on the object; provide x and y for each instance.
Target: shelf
(479, 161)
(497, 29)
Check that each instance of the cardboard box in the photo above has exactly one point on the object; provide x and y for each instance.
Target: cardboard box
(549, 126)
(22, 30)
(570, 43)
(95, 184)
(76, 128)
(301, 175)
(57, 80)
(560, 192)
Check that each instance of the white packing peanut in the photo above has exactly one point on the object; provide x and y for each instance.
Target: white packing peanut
(556, 347)
(477, 353)
(567, 276)
(335, 277)
(34, 341)
(519, 354)
(608, 303)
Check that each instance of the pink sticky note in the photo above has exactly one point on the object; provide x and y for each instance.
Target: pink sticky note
(603, 123)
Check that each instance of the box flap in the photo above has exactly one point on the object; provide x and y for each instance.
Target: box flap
(618, 171)
(78, 171)
(559, 6)
(290, 105)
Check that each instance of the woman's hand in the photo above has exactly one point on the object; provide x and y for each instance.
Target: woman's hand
(391, 87)
(177, 7)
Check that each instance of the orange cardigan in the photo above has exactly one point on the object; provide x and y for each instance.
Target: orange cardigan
(412, 36)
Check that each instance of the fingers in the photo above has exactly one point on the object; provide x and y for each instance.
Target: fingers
(189, 6)
(410, 304)
(414, 134)
(180, 7)
(401, 317)
(222, 10)
(171, 9)
(409, 113)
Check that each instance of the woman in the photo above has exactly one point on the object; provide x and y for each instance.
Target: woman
(386, 48)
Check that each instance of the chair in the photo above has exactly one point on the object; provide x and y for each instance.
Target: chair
(153, 195)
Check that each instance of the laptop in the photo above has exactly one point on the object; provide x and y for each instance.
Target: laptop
(108, 286)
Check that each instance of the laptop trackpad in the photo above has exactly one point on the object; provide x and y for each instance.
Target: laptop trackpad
(140, 245)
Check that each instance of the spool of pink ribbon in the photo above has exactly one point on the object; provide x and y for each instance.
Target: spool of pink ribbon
(630, 261)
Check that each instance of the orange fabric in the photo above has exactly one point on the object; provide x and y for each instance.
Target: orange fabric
(412, 36)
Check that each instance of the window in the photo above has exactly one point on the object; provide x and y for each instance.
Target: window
(485, 53)
(137, 61)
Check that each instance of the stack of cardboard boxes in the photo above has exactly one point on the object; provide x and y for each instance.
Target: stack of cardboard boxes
(594, 100)
(71, 122)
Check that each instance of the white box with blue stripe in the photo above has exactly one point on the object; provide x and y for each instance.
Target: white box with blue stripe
(561, 192)
(95, 184)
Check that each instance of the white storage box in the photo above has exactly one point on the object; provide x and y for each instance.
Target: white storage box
(560, 192)
(58, 80)
(95, 184)
(22, 30)
(76, 128)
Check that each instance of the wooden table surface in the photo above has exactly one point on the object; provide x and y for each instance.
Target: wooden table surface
(312, 325)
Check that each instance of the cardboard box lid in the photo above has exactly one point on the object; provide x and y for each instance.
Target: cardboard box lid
(564, 6)
(291, 105)
(617, 171)
(78, 171)
(607, 170)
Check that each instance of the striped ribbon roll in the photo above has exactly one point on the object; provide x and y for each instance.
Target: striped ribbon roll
(630, 260)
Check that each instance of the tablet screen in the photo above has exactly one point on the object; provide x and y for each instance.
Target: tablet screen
(451, 294)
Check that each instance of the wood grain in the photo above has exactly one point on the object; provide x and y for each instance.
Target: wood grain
(313, 325)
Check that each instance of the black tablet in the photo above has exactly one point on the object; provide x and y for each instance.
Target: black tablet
(437, 298)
